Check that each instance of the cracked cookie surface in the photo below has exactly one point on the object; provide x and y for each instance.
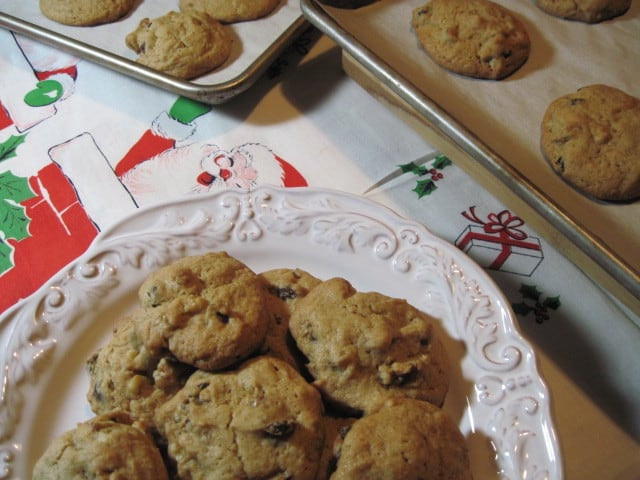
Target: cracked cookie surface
(590, 138)
(261, 420)
(475, 38)
(363, 347)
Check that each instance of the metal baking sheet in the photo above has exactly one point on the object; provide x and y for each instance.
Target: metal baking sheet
(256, 44)
(497, 123)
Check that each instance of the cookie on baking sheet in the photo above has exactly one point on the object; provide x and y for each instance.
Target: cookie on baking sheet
(591, 139)
(208, 310)
(363, 347)
(285, 287)
(588, 11)
(476, 38)
(261, 420)
(85, 12)
(181, 44)
(102, 448)
(126, 375)
(231, 11)
(406, 439)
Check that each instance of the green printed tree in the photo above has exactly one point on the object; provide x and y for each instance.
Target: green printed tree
(14, 223)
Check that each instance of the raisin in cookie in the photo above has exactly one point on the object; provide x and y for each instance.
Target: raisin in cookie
(181, 44)
(126, 375)
(261, 420)
(591, 139)
(588, 11)
(103, 448)
(363, 347)
(209, 311)
(231, 11)
(285, 287)
(406, 439)
(85, 12)
(476, 38)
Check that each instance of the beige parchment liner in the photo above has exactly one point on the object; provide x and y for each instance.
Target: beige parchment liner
(506, 114)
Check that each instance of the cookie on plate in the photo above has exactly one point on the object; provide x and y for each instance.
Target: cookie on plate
(126, 375)
(102, 448)
(406, 439)
(475, 38)
(591, 139)
(181, 44)
(85, 12)
(231, 12)
(285, 287)
(261, 420)
(207, 310)
(363, 347)
(588, 11)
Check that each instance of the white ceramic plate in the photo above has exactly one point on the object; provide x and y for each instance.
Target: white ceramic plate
(496, 394)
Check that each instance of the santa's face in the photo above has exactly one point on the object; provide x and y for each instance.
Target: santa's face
(232, 170)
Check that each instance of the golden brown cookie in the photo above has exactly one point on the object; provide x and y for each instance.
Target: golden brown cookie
(208, 310)
(476, 38)
(588, 11)
(363, 347)
(406, 439)
(285, 287)
(126, 375)
(335, 429)
(591, 138)
(106, 447)
(261, 420)
(230, 11)
(181, 44)
(85, 12)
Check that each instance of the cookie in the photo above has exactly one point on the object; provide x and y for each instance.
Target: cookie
(335, 429)
(231, 12)
(406, 439)
(475, 38)
(126, 375)
(184, 45)
(85, 12)
(285, 287)
(261, 420)
(590, 138)
(102, 448)
(207, 310)
(588, 11)
(363, 347)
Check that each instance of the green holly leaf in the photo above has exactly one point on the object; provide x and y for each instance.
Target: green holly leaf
(521, 308)
(552, 302)
(530, 291)
(441, 161)
(14, 188)
(13, 221)
(5, 257)
(8, 147)
(424, 187)
(407, 167)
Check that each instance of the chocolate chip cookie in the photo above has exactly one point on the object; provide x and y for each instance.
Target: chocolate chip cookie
(476, 38)
(85, 12)
(231, 11)
(363, 347)
(588, 11)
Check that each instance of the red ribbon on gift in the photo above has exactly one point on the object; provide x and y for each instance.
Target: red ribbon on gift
(499, 228)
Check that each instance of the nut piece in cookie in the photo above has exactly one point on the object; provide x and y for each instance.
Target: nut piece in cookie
(231, 11)
(406, 439)
(285, 288)
(85, 12)
(209, 311)
(363, 347)
(261, 420)
(126, 375)
(591, 139)
(588, 11)
(102, 448)
(476, 38)
(181, 44)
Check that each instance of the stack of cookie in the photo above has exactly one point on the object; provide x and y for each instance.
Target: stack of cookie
(225, 373)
